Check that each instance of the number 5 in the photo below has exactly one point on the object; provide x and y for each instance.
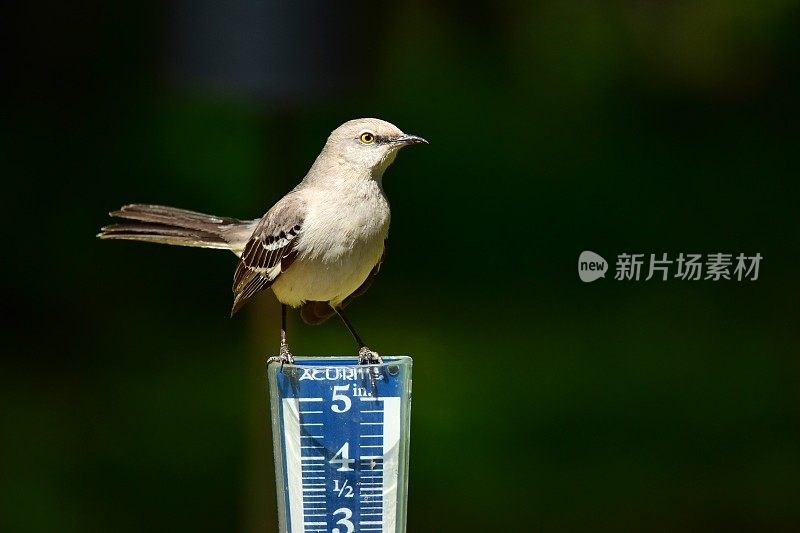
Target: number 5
(341, 398)
(344, 521)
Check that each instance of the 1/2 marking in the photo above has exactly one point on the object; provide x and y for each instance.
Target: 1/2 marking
(346, 490)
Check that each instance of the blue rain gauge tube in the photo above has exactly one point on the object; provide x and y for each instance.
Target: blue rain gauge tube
(341, 440)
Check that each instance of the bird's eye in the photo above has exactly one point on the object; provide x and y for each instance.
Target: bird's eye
(367, 138)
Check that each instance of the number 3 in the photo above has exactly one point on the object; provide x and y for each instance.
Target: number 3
(344, 521)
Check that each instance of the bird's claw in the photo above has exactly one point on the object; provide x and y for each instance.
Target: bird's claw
(284, 356)
(367, 356)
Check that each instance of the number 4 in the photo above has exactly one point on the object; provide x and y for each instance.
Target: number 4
(342, 457)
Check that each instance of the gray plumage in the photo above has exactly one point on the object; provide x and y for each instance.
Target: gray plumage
(169, 225)
(271, 249)
(317, 248)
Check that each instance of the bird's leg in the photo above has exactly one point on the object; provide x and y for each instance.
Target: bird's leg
(284, 355)
(365, 355)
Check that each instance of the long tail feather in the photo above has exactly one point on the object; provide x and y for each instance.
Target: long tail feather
(164, 235)
(172, 216)
(170, 225)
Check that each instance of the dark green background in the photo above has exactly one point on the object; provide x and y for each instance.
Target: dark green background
(130, 402)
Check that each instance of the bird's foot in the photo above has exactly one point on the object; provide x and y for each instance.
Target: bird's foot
(284, 356)
(367, 356)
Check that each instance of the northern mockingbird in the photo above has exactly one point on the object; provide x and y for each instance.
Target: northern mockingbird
(317, 248)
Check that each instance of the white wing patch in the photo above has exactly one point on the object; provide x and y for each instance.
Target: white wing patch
(270, 251)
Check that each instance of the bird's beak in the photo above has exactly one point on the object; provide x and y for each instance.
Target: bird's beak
(409, 139)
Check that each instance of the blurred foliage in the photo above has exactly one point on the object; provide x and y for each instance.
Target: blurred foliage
(130, 402)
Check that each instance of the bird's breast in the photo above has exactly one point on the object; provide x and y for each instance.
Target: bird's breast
(340, 242)
(340, 223)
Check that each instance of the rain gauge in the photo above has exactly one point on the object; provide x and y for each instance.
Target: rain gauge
(341, 440)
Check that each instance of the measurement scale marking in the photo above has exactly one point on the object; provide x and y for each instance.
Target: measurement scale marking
(314, 498)
(371, 492)
(351, 480)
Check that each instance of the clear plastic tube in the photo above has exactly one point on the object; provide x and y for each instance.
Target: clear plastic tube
(341, 439)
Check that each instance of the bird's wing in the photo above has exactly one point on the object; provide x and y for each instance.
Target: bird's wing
(318, 312)
(270, 250)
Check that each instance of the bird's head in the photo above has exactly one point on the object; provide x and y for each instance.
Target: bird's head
(369, 143)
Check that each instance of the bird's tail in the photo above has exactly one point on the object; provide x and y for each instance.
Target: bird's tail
(169, 225)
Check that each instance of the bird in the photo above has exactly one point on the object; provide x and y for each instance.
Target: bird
(317, 248)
